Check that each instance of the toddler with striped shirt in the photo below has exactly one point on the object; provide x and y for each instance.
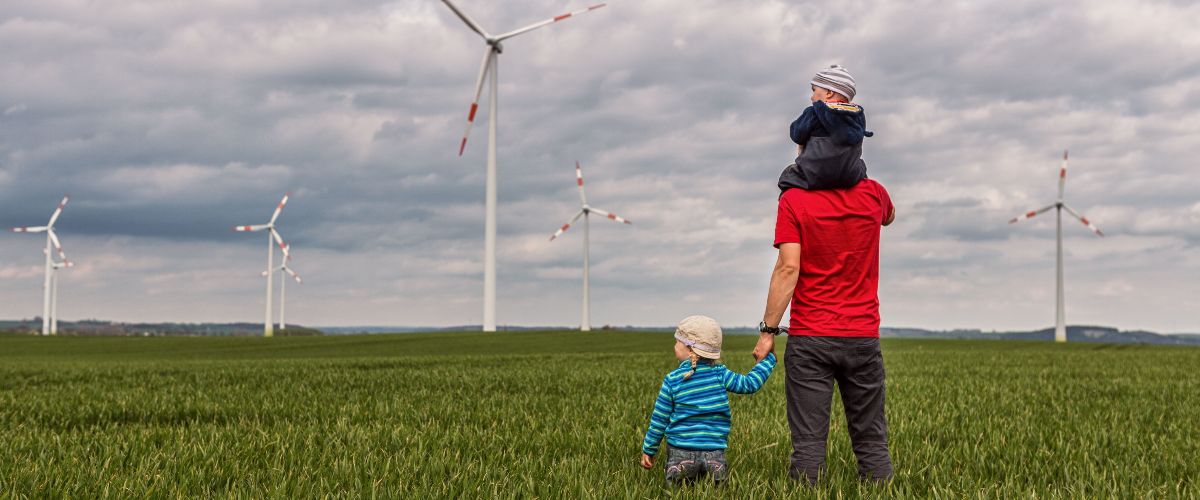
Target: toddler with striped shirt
(692, 409)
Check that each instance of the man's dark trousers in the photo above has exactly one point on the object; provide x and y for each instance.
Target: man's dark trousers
(812, 364)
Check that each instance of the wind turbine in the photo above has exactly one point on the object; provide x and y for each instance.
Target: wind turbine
(585, 211)
(51, 239)
(490, 64)
(272, 234)
(283, 290)
(1060, 318)
(65, 264)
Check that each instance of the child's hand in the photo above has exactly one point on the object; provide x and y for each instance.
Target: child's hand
(647, 461)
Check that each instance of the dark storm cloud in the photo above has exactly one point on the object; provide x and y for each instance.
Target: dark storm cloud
(169, 123)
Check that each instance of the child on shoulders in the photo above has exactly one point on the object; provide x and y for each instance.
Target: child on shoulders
(829, 136)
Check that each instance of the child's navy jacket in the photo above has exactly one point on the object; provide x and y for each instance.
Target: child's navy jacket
(832, 136)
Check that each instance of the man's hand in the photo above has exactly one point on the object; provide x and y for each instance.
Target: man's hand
(647, 461)
(765, 345)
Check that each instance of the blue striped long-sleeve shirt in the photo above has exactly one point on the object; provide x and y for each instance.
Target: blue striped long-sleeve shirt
(694, 413)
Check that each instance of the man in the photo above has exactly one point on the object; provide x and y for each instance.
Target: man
(828, 268)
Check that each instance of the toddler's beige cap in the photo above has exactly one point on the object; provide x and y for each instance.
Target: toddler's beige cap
(702, 334)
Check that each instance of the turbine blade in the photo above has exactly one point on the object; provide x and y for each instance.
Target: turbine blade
(256, 227)
(566, 226)
(1062, 176)
(1084, 220)
(279, 208)
(293, 273)
(609, 215)
(57, 245)
(579, 180)
(552, 20)
(483, 70)
(466, 19)
(287, 250)
(58, 211)
(1030, 214)
(32, 229)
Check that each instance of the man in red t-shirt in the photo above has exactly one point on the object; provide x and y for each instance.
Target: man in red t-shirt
(828, 269)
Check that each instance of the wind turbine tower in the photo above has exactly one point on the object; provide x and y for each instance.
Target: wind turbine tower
(1060, 318)
(488, 72)
(55, 267)
(585, 211)
(284, 272)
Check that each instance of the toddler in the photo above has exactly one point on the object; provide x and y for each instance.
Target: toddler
(692, 408)
(829, 135)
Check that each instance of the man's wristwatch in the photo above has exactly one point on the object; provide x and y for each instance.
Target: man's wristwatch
(773, 330)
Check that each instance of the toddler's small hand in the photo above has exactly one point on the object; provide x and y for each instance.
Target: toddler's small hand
(647, 461)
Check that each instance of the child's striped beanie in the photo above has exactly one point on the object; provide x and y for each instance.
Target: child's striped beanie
(835, 78)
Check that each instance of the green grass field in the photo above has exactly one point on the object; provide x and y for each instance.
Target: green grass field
(562, 414)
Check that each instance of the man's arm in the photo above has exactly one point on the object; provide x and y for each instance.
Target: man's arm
(890, 218)
(783, 286)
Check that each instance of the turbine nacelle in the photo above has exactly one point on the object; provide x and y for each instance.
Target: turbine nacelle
(270, 226)
(585, 208)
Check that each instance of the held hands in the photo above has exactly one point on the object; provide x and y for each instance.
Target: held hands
(647, 461)
(765, 345)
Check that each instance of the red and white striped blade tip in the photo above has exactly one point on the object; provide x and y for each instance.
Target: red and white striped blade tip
(279, 208)
(618, 218)
(560, 231)
(1027, 215)
(1091, 226)
(540, 24)
(569, 14)
(462, 146)
(479, 81)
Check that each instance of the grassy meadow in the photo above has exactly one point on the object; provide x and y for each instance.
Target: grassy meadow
(562, 414)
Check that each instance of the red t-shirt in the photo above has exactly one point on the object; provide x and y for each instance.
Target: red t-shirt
(837, 294)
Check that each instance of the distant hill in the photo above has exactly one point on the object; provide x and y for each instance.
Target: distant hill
(117, 329)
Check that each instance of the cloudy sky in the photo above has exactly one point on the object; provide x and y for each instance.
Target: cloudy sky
(168, 122)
